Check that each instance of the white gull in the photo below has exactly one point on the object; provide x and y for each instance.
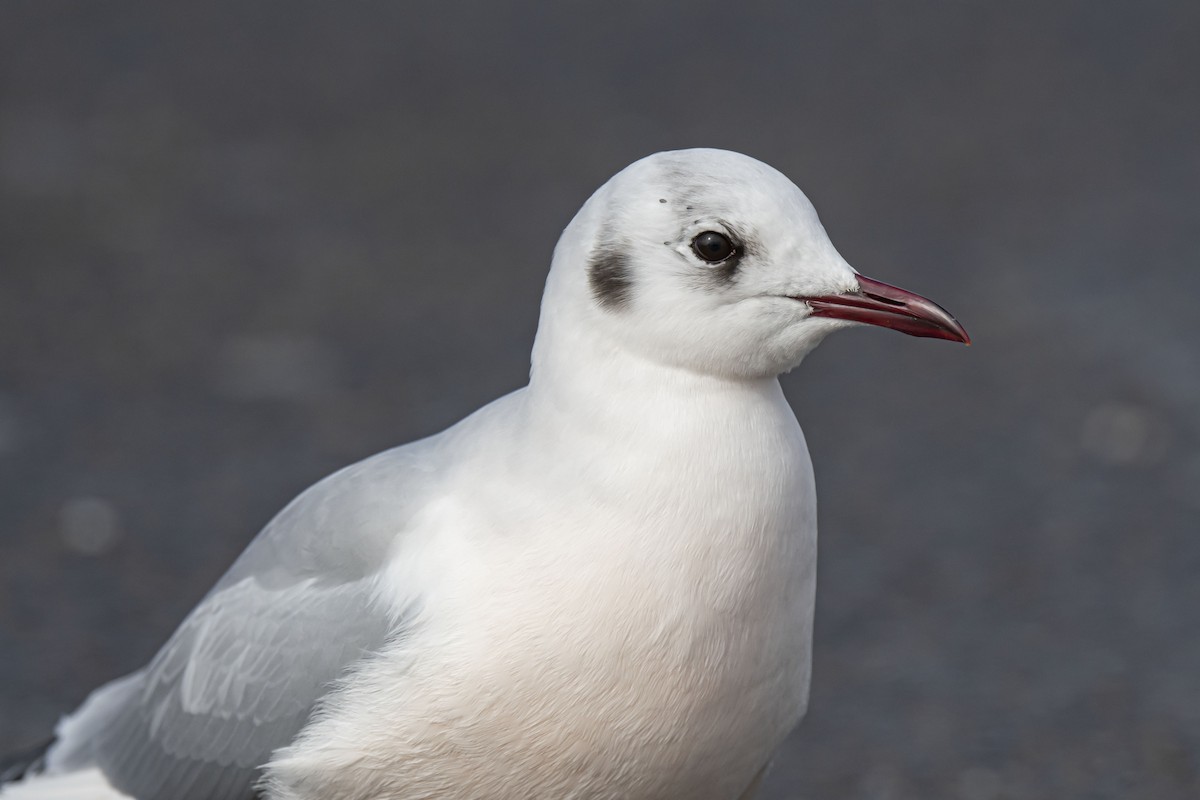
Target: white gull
(597, 587)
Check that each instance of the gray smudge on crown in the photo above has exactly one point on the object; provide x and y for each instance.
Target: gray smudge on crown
(609, 273)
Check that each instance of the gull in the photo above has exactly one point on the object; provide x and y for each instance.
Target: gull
(597, 587)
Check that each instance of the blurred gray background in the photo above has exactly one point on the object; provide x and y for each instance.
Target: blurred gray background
(246, 243)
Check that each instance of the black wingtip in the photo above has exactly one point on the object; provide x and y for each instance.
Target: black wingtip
(19, 765)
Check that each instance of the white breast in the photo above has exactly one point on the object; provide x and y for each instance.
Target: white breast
(638, 628)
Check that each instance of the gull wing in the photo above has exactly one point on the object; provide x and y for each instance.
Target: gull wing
(241, 675)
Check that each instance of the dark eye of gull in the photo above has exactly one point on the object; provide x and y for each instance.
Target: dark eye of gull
(713, 247)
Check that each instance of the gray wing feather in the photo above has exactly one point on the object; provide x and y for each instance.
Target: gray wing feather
(237, 680)
(241, 675)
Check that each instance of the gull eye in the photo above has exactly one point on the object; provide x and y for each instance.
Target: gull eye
(713, 247)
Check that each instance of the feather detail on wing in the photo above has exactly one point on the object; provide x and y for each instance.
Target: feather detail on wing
(87, 784)
(241, 675)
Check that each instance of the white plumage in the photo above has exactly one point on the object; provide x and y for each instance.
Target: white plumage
(598, 587)
(85, 784)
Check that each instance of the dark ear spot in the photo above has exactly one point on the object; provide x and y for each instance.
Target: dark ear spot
(609, 275)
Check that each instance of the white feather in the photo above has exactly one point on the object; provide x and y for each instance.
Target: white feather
(86, 784)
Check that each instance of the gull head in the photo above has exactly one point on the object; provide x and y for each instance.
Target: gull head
(712, 261)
